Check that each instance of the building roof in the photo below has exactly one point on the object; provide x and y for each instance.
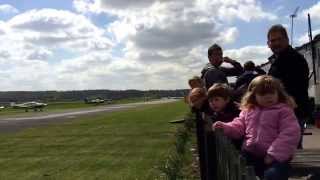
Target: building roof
(315, 39)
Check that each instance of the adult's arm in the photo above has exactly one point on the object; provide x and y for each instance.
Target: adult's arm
(236, 70)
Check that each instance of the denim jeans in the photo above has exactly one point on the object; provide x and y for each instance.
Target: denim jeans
(274, 171)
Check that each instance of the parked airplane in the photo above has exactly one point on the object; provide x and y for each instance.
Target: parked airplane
(36, 106)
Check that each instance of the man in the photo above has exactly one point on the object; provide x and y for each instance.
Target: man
(291, 68)
(213, 72)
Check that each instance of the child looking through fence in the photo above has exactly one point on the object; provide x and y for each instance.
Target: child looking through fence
(269, 127)
(222, 109)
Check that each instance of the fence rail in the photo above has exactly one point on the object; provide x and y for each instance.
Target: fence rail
(219, 158)
(230, 164)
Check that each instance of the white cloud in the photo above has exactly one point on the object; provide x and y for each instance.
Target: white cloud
(7, 9)
(313, 11)
(257, 54)
(31, 44)
(56, 28)
(3, 28)
(164, 42)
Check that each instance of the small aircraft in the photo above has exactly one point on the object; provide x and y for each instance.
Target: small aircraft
(36, 106)
(1, 108)
(94, 101)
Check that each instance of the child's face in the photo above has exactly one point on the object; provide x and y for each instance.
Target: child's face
(267, 100)
(217, 104)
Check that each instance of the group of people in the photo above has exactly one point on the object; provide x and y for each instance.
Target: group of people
(263, 111)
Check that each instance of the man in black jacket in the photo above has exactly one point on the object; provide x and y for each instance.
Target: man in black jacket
(291, 68)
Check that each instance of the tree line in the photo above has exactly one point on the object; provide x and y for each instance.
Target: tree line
(77, 95)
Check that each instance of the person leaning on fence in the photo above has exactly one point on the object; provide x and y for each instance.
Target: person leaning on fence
(292, 69)
(198, 100)
(223, 109)
(195, 82)
(250, 72)
(213, 72)
(221, 104)
(269, 126)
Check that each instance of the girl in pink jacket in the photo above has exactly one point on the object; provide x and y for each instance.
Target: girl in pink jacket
(269, 127)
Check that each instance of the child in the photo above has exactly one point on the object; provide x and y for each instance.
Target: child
(197, 98)
(223, 109)
(270, 129)
(195, 82)
(219, 97)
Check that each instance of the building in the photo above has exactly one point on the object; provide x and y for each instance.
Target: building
(305, 50)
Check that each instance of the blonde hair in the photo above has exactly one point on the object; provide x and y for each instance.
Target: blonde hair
(265, 84)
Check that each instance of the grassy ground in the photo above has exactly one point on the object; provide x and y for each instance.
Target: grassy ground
(119, 145)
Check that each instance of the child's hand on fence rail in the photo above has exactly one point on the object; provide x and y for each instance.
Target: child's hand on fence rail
(217, 125)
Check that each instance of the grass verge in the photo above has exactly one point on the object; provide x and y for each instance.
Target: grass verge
(180, 163)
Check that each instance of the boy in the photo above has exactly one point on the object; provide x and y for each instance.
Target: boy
(213, 72)
(219, 98)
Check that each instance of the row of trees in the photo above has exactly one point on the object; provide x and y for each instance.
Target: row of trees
(52, 96)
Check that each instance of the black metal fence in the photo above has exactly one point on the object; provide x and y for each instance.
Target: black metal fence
(219, 158)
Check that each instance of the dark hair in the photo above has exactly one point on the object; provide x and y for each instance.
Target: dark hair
(214, 47)
(278, 28)
(249, 66)
(219, 90)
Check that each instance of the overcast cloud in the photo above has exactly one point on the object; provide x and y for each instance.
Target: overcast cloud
(125, 44)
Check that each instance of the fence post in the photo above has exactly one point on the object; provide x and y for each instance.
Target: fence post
(201, 146)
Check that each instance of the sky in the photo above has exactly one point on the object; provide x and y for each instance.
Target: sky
(141, 44)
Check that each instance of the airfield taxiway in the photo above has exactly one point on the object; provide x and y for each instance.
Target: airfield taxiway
(13, 124)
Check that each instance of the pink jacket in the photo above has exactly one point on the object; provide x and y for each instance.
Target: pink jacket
(272, 130)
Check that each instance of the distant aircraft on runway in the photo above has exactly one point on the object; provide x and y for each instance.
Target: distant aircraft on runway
(95, 101)
(36, 106)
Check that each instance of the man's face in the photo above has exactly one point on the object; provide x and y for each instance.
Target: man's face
(216, 58)
(218, 104)
(277, 42)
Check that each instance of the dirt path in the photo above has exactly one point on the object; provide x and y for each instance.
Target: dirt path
(14, 124)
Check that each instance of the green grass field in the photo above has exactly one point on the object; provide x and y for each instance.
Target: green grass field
(119, 145)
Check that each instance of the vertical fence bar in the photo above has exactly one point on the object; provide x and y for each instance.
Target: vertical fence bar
(201, 145)
(232, 165)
